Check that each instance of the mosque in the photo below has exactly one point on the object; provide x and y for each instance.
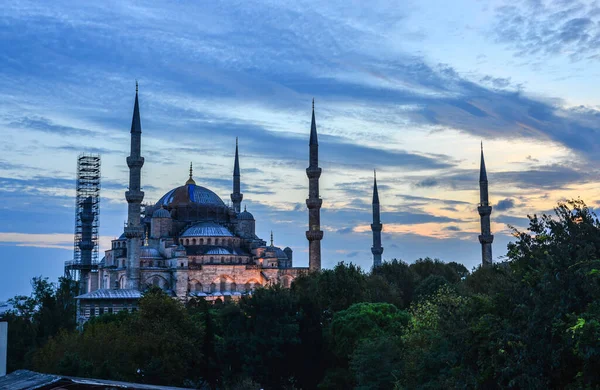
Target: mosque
(191, 244)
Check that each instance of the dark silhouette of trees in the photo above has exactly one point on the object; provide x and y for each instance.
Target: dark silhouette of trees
(531, 322)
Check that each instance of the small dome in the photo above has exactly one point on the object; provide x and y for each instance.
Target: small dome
(245, 215)
(147, 252)
(161, 213)
(273, 251)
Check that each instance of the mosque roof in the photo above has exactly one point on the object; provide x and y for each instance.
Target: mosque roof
(161, 213)
(273, 251)
(245, 215)
(199, 250)
(206, 229)
(190, 193)
(149, 253)
(106, 293)
(219, 251)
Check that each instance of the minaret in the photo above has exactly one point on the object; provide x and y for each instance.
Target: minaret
(314, 202)
(376, 226)
(236, 196)
(484, 210)
(134, 231)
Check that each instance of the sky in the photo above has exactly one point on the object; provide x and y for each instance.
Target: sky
(408, 88)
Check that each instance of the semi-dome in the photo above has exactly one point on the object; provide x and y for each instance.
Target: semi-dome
(206, 229)
(161, 213)
(190, 194)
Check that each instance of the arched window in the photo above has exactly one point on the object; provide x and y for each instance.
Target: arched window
(201, 241)
(233, 287)
(230, 241)
(239, 260)
(212, 259)
(198, 287)
(213, 287)
(222, 285)
(193, 241)
(187, 241)
(216, 241)
(208, 241)
(222, 260)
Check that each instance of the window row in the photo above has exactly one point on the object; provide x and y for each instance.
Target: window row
(208, 241)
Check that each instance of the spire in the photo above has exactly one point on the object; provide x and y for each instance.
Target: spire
(190, 180)
(314, 234)
(236, 163)
(484, 209)
(313, 127)
(375, 192)
(136, 126)
(376, 226)
(236, 195)
(271, 237)
(482, 171)
(244, 207)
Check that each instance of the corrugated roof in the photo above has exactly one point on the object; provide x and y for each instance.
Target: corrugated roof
(25, 379)
(105, 293)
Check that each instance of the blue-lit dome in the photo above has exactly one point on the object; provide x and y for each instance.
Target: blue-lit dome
(245, 215)
(161, 213)
(190, 193)
(206, 229)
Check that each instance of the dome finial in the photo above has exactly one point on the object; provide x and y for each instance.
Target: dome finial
(244, 207)
(190, 180)
(271, 237)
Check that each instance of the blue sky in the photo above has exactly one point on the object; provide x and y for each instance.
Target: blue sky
(409, 88)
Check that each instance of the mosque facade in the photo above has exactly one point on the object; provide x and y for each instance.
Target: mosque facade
(192, 244)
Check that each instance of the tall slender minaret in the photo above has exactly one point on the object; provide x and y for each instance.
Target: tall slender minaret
(314, 233)
(486, 238)
(376, 226)
(236, 196)
(134, 231)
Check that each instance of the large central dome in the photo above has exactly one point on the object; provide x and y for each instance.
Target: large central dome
(190, 193)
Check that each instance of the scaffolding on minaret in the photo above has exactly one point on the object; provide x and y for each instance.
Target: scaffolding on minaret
(87, 221)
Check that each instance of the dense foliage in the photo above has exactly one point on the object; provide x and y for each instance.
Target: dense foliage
(531, 322)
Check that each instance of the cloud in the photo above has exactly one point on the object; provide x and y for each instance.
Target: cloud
(550, 28)
(505, 204)
(452, 228)
(548, 177)
(45, 240)
(352, 254)
(425, 183)
(346, 230)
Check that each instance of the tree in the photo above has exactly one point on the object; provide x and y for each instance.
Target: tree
(362, 322)
(159, 344)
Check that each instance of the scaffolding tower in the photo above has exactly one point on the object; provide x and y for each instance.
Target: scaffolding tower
(87, 221)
